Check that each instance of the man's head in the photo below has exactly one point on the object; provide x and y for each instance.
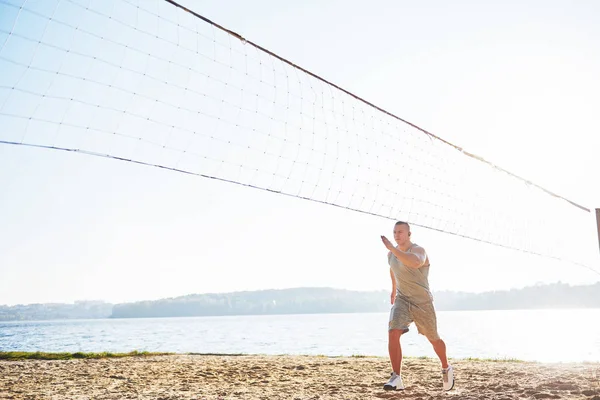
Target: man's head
(401, 233)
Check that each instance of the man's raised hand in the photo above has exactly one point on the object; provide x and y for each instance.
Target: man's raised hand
(387, 243)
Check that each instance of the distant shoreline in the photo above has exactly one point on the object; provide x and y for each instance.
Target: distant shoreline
(308, 301)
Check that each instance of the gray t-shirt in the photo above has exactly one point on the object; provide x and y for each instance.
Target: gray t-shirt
(411, 283)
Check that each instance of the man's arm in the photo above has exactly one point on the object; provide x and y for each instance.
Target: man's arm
(414, 259)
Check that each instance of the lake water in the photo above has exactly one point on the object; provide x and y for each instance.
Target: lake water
(537, 335)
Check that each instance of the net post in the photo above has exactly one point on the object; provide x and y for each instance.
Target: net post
(598, 225)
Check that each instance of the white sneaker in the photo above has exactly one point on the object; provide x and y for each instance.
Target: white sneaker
(395, 383)
(448, 378)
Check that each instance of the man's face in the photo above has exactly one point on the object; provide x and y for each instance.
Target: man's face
(401, 234)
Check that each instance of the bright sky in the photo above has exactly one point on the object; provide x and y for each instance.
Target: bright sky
(515, 83)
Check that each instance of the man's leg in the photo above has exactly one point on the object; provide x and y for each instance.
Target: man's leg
(426, 322)
(395, 382)
(399, 321)
(395, 349)
(447, 371)
(440, 349)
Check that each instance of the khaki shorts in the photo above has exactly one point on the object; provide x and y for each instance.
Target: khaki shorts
(404, 313)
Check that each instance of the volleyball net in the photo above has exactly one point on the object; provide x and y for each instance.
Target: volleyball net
(151, 82)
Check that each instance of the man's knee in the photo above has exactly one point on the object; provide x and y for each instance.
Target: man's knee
(394, 334)
(436, 341)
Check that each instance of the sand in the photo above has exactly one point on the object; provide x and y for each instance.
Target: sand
(289, 377)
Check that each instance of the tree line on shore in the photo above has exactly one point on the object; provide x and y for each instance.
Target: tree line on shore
(307, 301)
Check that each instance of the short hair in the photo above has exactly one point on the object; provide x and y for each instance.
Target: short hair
(403, 223)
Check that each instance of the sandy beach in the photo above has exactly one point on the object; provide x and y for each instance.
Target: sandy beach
(289, 377)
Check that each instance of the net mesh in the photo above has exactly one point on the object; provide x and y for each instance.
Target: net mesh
(150, 82)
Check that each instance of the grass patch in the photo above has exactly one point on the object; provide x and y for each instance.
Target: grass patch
(25, 355)
(515, 360)
(222, 354)
(20, 355)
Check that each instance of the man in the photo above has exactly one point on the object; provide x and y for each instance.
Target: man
(411, 301)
